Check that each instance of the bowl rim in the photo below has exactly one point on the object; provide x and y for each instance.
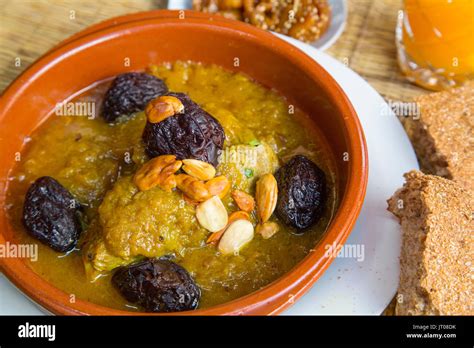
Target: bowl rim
(293, 284)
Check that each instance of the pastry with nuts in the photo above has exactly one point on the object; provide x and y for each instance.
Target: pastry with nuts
(305, 20)
(231, 9)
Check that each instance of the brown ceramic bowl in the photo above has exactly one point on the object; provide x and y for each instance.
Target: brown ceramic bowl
(161, 36)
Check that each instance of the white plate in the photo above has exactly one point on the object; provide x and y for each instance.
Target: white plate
(336, 27)
(348, 286)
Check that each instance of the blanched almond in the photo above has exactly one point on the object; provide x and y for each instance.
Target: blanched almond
(234, 216)
(243, 200)
(218, 186)
(266, 196)
(212, 214)
(163, 107)
(168, 183)
(171, 168)
(192, 187)
(150, 174)
(167, 179)
(190, 200)
(238, 234)
(199, 169)
(268, 229)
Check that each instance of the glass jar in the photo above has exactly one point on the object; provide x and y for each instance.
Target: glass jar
(435, 42)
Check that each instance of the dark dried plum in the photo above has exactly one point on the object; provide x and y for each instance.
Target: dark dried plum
(301, 192)
(158, 285)
(192, 134)
(51, 214)
(129, 93)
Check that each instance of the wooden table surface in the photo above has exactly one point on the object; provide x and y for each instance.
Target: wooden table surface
(28, 28)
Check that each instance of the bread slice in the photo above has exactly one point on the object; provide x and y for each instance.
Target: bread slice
(437, 256)
(443, 134)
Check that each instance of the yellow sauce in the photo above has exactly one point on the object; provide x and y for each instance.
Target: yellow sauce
(87, 157)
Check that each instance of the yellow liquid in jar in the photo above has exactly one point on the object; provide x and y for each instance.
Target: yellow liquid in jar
(438, 35)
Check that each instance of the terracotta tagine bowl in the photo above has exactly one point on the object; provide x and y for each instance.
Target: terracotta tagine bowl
(98, 53)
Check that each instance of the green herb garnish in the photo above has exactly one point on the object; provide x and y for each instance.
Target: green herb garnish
(248, 172)
(254, 142)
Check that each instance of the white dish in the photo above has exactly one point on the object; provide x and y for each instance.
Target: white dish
(348, 286)
(336, 27)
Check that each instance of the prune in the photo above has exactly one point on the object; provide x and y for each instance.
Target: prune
(129, 93)
(158, 285)
(192, 134)
(301, 192)
(52, 215)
